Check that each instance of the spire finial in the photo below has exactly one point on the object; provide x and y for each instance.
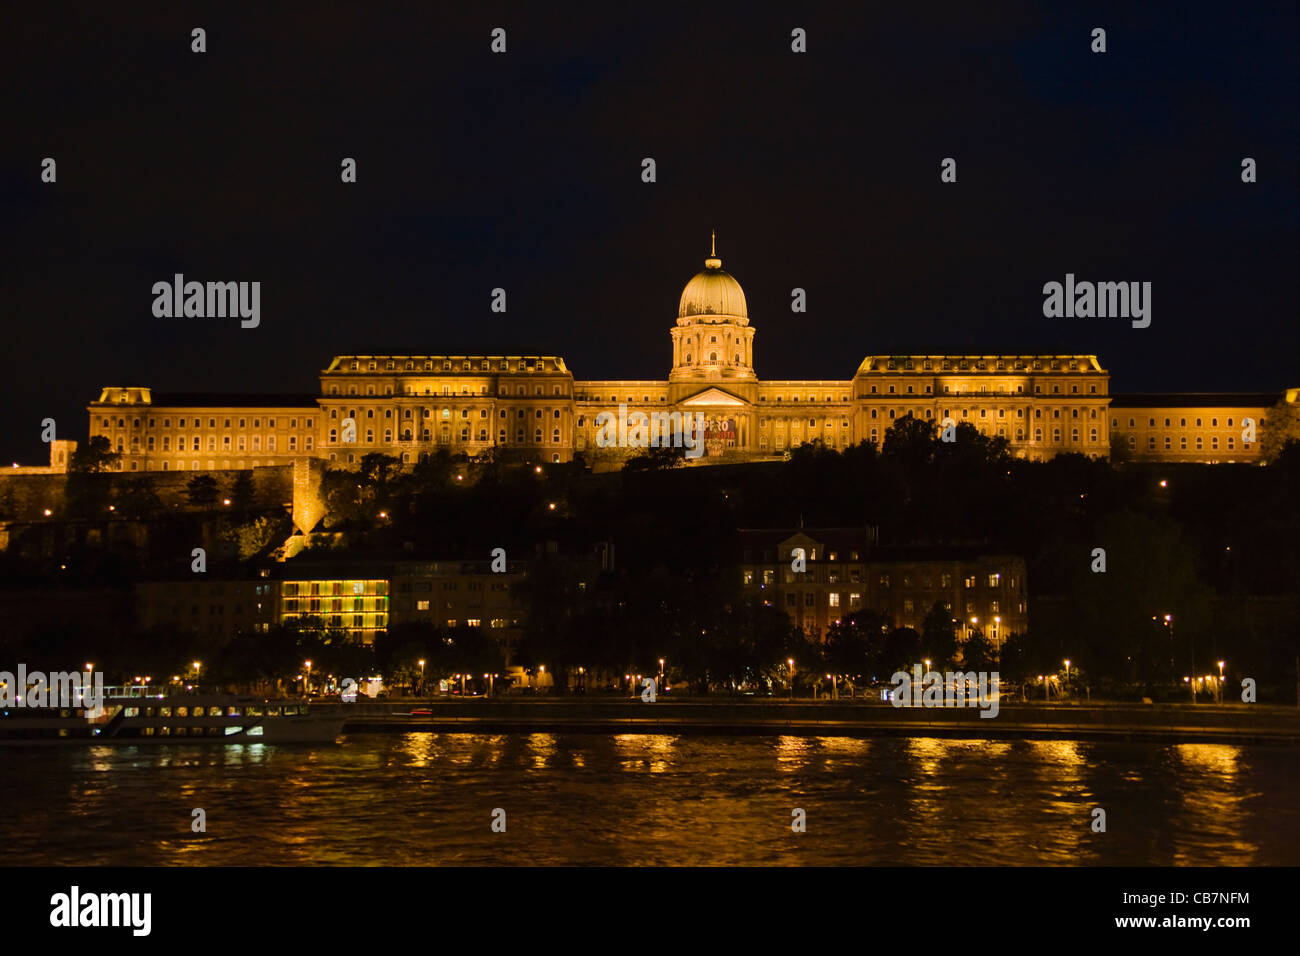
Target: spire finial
(713, 262)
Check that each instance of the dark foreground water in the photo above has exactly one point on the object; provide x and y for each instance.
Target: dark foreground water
(420, 799)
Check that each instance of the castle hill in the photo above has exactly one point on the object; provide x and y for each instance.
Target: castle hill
(797, 541)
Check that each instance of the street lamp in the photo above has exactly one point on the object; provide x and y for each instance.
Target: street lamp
(421, 674)
(1220, 684)
(306, 683)
(661, 672)
(790, 664)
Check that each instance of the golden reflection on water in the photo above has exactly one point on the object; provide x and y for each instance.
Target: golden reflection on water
(647, 798)
(794, 753)
(1224, 759)
(646, 752)
(844, 746)
(1214, 801)
(1058, 753)
(542, 749)
(420, 750)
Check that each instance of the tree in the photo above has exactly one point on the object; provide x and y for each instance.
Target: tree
(911, 441)
(902, 649)
(242, 493)
(978, 653)
(378, 472)
(137, 498)
(656, 459)
(202, 491)
(1281, 425)
(252, 537)
(94, 457)
(939, 633)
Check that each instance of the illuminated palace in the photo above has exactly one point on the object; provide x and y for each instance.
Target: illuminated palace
(532, 408)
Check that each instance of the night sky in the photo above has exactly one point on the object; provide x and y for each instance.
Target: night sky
(523, 171)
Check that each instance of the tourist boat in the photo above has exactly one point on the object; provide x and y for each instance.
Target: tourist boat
(126, 717)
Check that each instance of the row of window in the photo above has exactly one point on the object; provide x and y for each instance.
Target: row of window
(242, 443)
(445, 415)
(198, 422)
(885, 580)
(1182, 423)
(465, 389)
(984, 412)
(521, 365)
(1001, 366)
(1182, 443)
(1093, 436)
(833, 600)
(466, 435)
(984, 389)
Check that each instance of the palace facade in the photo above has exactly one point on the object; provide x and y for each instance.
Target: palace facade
(532, 408)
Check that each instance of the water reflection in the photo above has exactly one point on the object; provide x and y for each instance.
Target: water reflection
(419, 798)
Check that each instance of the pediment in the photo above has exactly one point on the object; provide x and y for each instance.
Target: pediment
(713, 398)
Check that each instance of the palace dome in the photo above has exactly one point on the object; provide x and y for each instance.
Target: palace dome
(713, 292)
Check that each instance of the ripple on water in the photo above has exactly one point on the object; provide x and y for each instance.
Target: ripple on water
(638, 799)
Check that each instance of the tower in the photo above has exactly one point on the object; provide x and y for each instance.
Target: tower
(712, 341)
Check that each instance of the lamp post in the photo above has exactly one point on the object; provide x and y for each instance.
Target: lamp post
(1220, 684)
(306, 681)
(1067, 673)
(421, 675)
(790, 664)
(661, 672)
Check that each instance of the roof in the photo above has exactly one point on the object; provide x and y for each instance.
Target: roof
(937, 552)
(239, 400)
(859, 538)
(147, 398)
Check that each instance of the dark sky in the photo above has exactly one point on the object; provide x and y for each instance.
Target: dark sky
(523, 171)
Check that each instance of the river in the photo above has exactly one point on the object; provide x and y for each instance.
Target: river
(631, 799)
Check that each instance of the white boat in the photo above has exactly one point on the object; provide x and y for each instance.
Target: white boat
(183, 718)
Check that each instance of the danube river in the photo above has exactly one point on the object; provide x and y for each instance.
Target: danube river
(421, 799)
